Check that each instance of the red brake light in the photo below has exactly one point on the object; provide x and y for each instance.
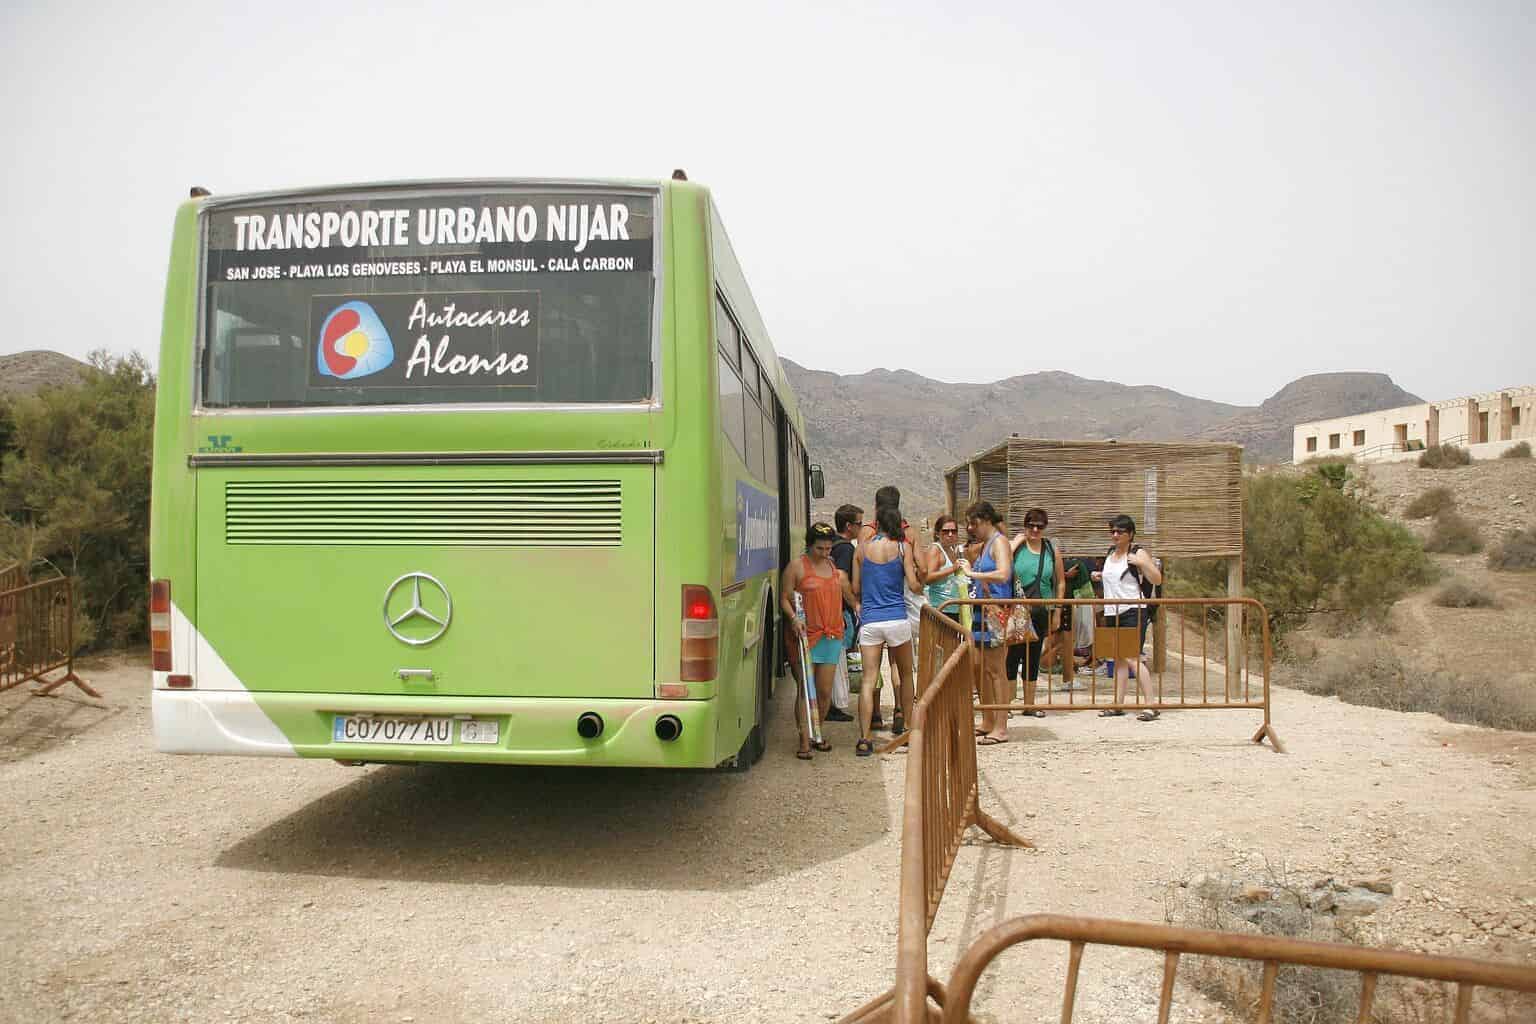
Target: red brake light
(160, 625)
(700, 648)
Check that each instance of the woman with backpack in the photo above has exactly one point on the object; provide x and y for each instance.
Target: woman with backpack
(1037, 572)
(1130, 575)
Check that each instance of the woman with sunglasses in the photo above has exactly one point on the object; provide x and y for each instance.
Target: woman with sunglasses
(1037, 572)
(1125, 566)
(941, 565)
(993, 576)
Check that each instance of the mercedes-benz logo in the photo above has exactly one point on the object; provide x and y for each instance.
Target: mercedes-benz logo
(436, 611)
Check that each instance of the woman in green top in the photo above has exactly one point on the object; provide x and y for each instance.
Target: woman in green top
(1037, 573)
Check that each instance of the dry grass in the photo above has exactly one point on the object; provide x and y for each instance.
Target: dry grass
(1367, 670)
(1431, 503)
(1461, 593)
(1444, 456)
(1453, 534)
(1516, 551)
(1308, 995)
(1519, 451)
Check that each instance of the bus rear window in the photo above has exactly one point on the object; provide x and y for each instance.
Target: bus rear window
(452, 297)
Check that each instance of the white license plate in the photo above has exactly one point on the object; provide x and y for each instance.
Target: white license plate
(379, 729)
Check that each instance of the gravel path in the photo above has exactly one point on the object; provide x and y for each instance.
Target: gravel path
(143, 887)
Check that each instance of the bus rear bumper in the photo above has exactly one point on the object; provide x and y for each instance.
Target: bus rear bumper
(529, 730)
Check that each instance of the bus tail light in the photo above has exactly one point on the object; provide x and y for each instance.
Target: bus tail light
(160, 625)
(701, 636)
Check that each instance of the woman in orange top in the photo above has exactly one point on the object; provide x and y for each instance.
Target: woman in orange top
(822, 588)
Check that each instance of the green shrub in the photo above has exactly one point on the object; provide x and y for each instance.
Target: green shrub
(1444, 456)
(1462, 594)
(1311, 547)
(74, 491)
(1516, 551)
(1453, 534)
(1431, 503)
(1519, 451)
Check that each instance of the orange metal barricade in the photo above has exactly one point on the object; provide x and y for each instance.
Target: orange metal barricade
(1198, 681)
(1080, 932)
(37, 636)
(941, 802)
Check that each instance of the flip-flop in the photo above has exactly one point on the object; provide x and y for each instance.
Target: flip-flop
(1149, 715)
(1111, 713)
(863, 748)
(821, 747)
(804, 755)
(978, 733)
(990, 741)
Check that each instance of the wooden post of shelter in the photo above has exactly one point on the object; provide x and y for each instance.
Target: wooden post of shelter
(973, 483)
(1235, 652)
(949, 494)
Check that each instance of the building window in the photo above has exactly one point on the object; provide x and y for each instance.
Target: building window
(1333, 440)
(1311, 444)
(1359, 438)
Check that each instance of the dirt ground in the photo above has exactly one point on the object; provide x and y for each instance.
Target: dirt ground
(138, 886)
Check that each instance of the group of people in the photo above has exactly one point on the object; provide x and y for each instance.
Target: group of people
(862, 584)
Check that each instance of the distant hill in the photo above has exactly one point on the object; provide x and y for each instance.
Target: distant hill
(898, 427)
(25, 372)
(1265, 432)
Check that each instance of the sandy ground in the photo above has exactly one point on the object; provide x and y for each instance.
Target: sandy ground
(138, 886)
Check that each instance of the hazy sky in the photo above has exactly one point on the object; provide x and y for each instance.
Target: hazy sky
(1214, 197)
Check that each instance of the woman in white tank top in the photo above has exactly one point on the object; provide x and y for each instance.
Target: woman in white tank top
(1124, 569)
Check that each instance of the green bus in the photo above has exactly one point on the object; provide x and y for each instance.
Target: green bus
(491, 471)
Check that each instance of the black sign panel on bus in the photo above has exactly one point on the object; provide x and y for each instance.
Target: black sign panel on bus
(412, 340)
(429, 237)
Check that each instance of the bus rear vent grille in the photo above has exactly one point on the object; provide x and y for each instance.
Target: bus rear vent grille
(467, 513)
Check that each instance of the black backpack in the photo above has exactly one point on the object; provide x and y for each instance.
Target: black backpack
(1148, 589)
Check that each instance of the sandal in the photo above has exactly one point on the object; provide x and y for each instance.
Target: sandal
(1111, 713)
(898, 725)
(978, 733)
(804, 755)
(863, 748)
(1149, 715)
(990, 741)
(822, 747)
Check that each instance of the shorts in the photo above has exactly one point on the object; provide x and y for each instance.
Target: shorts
(891, 634)
(827, 650)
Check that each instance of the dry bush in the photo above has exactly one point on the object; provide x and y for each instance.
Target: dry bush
(1431, 503)
(1519, 451)
(1454, 534)
(1369, 671)
(1308, 995)
(1444, 456)
(1463, 594)
(1516, 551)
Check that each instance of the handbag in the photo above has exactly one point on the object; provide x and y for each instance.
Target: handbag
(1012, 623)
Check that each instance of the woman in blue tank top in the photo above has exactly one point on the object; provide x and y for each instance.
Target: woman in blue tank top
(882, 573)
(993, 576)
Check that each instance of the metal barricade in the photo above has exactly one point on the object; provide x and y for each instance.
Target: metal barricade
(37, 636)
(1198, 680)
(1080, 932)
(940, 804)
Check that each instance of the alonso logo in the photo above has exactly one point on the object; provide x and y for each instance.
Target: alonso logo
(353, 342)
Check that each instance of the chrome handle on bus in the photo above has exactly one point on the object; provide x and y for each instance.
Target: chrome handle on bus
(407, 674)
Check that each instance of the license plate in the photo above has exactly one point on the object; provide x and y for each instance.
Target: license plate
(406, 731)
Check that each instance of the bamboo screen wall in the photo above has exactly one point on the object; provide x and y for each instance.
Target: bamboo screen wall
(1186, 498)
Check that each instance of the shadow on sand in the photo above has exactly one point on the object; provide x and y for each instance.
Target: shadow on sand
(588, 828)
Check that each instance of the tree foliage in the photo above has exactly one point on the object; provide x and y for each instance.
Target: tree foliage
(74, 490)
(1314, 543)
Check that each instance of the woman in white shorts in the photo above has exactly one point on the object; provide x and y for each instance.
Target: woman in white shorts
(883, 573)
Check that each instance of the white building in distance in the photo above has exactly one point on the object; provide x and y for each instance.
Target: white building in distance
(1485, 424)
